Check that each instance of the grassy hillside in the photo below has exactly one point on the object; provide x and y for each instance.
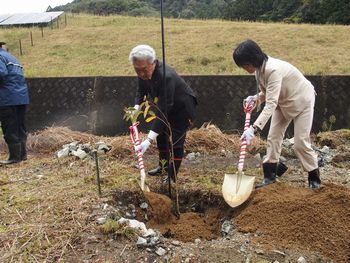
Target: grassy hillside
(96, 45)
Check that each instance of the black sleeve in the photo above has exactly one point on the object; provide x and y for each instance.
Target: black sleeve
(141, 92)
(158, 125)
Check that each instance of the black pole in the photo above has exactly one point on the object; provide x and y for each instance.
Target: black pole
(164, 100)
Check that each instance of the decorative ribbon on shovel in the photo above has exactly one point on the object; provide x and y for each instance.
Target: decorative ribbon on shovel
(135, 138)
(237, 188)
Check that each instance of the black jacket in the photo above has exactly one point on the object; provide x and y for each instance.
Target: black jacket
(181, 99)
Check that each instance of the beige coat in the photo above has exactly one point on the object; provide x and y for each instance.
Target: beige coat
(289, 96)
(283, 86)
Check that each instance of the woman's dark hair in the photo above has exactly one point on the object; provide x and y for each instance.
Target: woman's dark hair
(249, 53)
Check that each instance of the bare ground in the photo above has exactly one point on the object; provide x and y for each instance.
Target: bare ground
(49, 209)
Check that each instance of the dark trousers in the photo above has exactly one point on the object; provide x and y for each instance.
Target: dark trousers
(12, 120)
(178, 137)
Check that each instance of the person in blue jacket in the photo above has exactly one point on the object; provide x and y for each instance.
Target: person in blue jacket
(14, 99)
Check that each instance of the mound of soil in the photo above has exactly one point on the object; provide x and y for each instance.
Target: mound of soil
(160, 207)
(290, 217)
(188, 227)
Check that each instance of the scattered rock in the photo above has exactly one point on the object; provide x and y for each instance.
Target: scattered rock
(101, 220)
(301, 260)
(279, 252)
(197, 241)
(191, 157)
(160, 251)
(141, 242)
(226, 227)
(144, 205)
(176, 243)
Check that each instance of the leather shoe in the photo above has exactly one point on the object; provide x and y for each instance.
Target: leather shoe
(156, 171)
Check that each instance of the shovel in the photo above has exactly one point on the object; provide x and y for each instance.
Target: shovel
(135, 138)
(236, 188)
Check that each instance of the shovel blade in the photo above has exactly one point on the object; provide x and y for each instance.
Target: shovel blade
(236, 189)
(144, 187)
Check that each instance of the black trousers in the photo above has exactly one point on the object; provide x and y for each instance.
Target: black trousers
(12, 120)
(180, 122)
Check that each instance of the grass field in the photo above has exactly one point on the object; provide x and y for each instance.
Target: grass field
(96, 45)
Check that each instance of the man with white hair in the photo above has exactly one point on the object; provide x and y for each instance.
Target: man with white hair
(180, 104)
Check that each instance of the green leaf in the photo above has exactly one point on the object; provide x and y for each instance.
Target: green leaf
(150, 118)
(155, 100)
(151, 113)
(136, 115)
(146, 111)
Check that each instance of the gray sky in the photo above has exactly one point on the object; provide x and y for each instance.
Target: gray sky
(28, 6)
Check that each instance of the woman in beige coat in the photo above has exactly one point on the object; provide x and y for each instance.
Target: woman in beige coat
(288, 96)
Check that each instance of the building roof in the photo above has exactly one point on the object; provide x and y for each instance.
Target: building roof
(28, 18)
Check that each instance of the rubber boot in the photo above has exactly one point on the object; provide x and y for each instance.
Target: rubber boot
(281, 169)
(177, 163)
(269, 174)
(158, 170)
(314, 179)
(15, 154)
(24, 149)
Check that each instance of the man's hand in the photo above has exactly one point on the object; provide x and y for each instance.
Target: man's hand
(146, 143)
(248, 134)
(251, 98)
(143, 146)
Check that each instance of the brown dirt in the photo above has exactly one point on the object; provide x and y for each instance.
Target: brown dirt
(160, 207)
(190, 226)
(290, 217)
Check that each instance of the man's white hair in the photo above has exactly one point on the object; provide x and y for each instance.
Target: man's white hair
(141, 52)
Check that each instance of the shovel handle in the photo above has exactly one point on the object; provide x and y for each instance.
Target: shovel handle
(135, 138)
(248, 107)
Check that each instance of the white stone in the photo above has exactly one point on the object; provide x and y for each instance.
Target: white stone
(160, 251)
(191, 156)
(144, 205)
(63, 153)
(141, 242)
(197, 241)
(79, 153)
(301, 260)
(101, 220)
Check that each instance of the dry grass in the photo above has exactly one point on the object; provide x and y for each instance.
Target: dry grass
(207, 139)
(93, 45)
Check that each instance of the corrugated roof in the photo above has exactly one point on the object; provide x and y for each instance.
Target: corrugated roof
(28, 18)
(4, 17)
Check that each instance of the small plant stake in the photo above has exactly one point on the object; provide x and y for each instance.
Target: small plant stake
(94, 152)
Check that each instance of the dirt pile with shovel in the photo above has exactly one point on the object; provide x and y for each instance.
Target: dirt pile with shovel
(290, 217)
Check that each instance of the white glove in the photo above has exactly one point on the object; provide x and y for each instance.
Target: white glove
(143, 146)
(248, 134)
(251, 98)
(136, 107)
(146, 143)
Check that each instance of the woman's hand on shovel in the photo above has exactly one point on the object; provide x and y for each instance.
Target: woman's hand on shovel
(248, 134)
